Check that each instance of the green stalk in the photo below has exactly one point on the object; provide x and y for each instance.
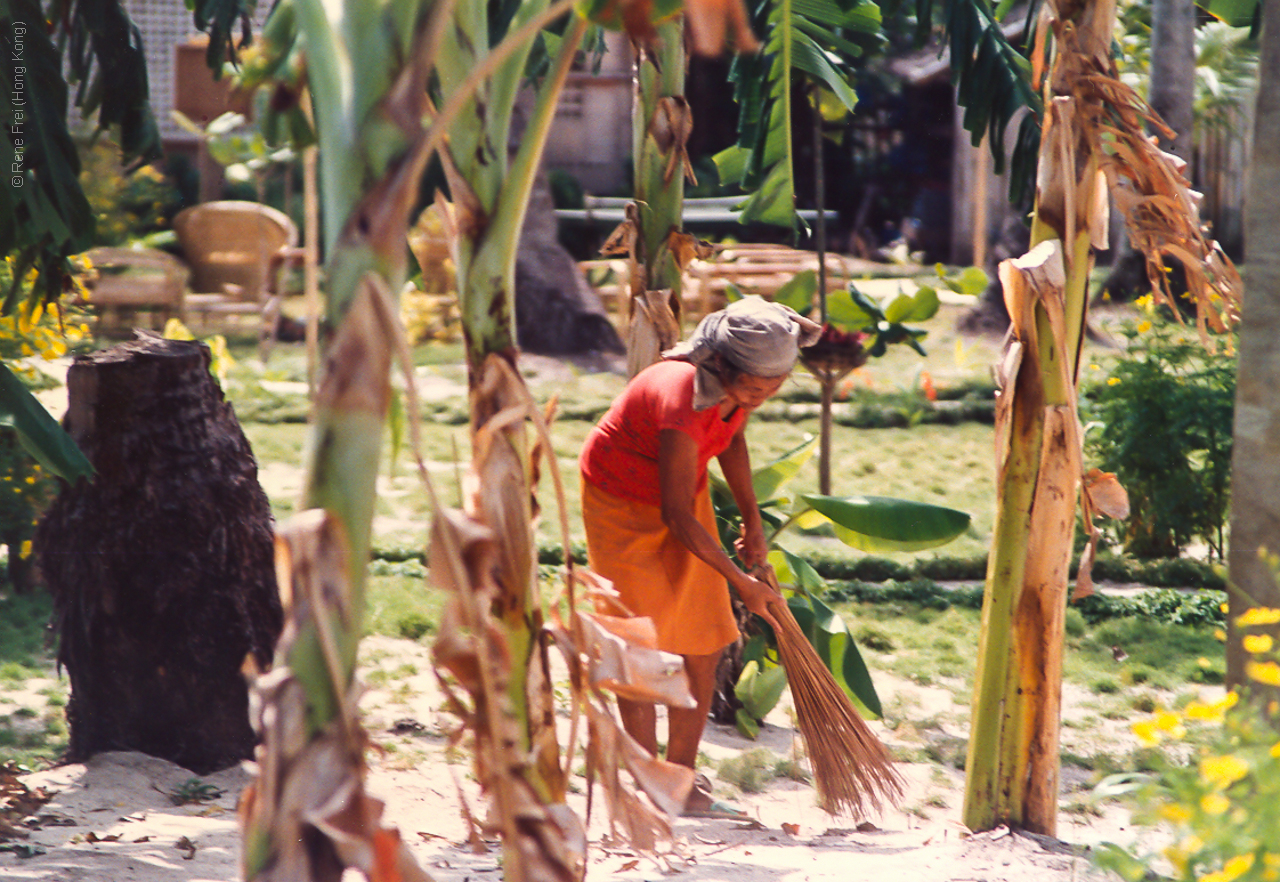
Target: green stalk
(660, 74)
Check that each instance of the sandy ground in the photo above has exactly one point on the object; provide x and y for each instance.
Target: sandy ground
(112, 819)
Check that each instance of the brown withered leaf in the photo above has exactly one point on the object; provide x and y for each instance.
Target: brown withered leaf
(686, 247)
(670, 127)
(1106, 496)
(653, 328)
(791, 829)
(623, 658)
(623, 238)
(609, 751)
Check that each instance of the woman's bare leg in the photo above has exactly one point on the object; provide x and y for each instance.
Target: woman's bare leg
(640, 719)
(686, 725)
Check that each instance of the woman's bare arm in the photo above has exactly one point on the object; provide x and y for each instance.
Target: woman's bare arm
(735, 462)
(678, 477)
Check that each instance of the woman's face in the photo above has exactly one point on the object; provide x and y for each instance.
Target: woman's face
(749, 392)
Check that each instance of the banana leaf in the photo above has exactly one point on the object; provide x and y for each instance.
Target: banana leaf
(877, 524)
(759, 688)
(831, 638)
(811, 38)
(38, 432)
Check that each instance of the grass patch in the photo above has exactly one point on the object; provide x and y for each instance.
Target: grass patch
(752, 770)
(22, 635)
(1137, 650)
(401, 606)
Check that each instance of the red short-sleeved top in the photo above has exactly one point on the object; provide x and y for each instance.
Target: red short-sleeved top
(620, 455)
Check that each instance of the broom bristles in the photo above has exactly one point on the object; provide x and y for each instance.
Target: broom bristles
(852, 770)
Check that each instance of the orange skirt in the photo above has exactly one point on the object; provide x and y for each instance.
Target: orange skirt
(655, 575)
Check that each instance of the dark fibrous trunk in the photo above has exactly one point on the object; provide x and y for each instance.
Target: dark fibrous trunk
(161, 567)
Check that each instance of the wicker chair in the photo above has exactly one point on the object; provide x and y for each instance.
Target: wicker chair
(236, 251)
(126, 281)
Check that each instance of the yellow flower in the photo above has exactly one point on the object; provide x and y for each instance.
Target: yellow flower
(1236, 867)
(1143, 302)
(1170, 724)
(1257, 643)
(1147, 732)
(1113, 381)
(1223, 771)
(1214, 804)
(1267, 673)
(1175, 812)
(1212, 713)
(1219, 634)
(1143, 327)
(1258, 615)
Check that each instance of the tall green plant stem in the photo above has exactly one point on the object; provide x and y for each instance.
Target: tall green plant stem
(370, 131)
(659, 185)
(1012, 768)
(660, 126)
(491, 194)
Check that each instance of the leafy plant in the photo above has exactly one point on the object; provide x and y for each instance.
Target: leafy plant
(194, 790)
(242, 149)
(128, 204)
(815, 39)
(1162, 423)
(866, 523)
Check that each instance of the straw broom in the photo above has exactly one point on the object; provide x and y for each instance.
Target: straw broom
(853, 771)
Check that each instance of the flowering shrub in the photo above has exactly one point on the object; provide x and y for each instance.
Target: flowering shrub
(127, 205)
(32, 331)
(1223, 805)
(1163, 425)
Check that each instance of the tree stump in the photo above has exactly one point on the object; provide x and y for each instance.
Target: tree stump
(161, 567)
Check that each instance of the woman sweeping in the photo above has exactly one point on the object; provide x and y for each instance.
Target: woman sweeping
(647, 509)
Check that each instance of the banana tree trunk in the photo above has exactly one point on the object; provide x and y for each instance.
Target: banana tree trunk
(306, 816)
(1012, 767)
(517, 752)
(1094, 130)
(661, 126)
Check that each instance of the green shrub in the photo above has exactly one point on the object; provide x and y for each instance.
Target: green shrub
(126, 205)
(1164, 415)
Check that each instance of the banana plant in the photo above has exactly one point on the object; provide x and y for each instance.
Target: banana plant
(871, 524)
(815, 39)
(306, 815)
(1094, 135)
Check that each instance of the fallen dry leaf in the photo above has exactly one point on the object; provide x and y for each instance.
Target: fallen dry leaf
(791, 829)
(186, 845)
(629, 865)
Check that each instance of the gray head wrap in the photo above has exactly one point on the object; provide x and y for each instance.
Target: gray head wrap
(754, 335)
